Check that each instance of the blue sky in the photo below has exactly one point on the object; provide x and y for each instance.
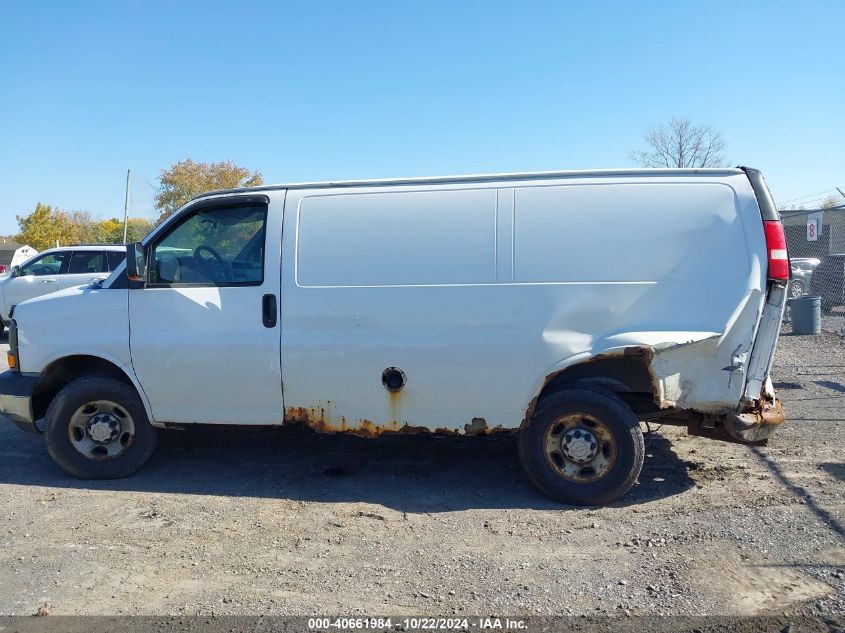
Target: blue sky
(332, 90)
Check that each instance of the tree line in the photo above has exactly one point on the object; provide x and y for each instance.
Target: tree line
(47, 226)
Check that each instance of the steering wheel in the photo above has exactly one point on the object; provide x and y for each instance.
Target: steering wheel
(206, 263)
(43, 269)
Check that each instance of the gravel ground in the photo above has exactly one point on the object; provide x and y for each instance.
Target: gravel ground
(236, 521)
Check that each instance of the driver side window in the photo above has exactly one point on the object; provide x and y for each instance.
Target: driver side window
(219, 246)
(49, 264)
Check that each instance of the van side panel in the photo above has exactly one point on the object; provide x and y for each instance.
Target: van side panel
(629, 233)
(410, 277)
(388, 239)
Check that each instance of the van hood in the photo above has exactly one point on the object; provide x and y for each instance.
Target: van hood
(58, 295)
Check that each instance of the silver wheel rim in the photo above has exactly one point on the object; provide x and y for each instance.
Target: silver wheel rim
(101, 429)
(580, 447)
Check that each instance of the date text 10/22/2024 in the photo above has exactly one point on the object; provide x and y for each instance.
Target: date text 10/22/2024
(415, 623)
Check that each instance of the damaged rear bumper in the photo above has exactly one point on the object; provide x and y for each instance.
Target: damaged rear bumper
(756, 425)
(752, 424)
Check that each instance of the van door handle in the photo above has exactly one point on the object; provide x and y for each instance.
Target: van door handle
(269, 312)
(48, 281)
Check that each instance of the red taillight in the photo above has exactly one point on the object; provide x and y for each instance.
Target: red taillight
(776, 247)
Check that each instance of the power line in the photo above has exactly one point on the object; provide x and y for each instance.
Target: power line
(809, 204)
(147, 182)
(820, 195)
(107, 201)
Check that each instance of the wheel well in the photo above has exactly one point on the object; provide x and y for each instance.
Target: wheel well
(627, 375)
(62, 372)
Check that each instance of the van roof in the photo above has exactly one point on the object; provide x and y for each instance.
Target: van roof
(536, 175)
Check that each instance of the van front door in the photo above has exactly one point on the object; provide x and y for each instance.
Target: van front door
(204, 338)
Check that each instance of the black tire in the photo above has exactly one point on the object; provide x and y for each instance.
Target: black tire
(617, 421)
(796, 288)
(57, 432)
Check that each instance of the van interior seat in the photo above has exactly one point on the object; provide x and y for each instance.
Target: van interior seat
(169, 269)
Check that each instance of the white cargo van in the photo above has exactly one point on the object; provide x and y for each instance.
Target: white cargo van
(566, 306)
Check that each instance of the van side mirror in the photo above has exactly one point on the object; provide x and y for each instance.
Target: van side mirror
(16, 271)
(136, 262)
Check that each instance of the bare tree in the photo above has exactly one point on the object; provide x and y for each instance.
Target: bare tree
(679, 143)
(830, 202)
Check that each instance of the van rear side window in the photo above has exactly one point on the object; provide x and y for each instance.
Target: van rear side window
(394, 239)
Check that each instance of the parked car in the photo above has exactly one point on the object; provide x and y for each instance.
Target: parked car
(802, 272)
(57, 269)
(564, 306)
(828, 282)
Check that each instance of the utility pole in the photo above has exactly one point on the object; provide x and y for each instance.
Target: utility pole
(841, 193)
(126, 208)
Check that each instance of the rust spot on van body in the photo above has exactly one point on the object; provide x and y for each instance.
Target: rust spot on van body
(476, 426)
(318, 418)
(395, 401)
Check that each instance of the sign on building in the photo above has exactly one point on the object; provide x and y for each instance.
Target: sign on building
(814, 225)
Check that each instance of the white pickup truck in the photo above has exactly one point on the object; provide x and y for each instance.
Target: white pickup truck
(565, 306)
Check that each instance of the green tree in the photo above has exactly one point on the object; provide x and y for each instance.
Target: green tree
(137, 229)
(186, 179)
(46, 226)
(111, 231)
(74, 226)
(108, 231)
(36, 228)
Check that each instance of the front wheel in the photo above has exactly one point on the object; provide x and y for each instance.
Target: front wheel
(97, 428)
(583, 446)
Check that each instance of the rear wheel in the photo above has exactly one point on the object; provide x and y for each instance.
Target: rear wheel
(583, 446)
(97, 428)
(796, 288)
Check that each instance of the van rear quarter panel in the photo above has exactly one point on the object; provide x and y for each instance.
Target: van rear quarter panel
(478, 293)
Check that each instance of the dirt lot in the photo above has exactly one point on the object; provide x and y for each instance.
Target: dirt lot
(289, 522)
